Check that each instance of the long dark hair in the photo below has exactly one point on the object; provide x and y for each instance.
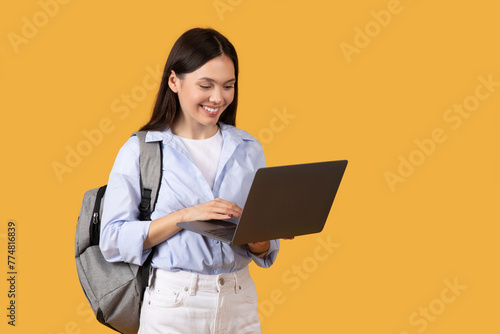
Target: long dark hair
(190, 52)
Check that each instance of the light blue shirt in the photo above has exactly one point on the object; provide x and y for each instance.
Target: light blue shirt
(182, 186)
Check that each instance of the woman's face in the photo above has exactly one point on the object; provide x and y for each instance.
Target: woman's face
(204, 94)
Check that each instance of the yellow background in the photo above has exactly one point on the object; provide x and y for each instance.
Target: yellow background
(397, 248)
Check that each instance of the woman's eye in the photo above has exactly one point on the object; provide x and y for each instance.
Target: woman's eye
(228, 87)
(204, 87)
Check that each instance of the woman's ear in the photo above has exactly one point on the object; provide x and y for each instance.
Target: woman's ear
(173, 82)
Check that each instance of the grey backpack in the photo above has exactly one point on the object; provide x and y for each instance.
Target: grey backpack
(115, 289)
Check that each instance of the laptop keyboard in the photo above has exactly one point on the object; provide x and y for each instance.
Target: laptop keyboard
(226, 232)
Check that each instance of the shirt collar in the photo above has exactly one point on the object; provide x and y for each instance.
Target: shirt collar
(228, 132)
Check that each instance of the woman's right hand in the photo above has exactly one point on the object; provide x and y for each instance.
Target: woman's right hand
(215, 209)
(166, 226)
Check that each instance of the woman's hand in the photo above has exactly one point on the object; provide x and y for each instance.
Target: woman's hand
(259, 248)
(163, 228)
(215, 209)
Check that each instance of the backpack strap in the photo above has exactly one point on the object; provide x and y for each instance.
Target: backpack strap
(150, 161)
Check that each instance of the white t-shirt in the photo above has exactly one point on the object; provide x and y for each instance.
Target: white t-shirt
(205, 154)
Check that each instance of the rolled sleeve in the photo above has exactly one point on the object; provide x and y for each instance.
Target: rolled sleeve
(267, 260)
(130, 241)
(122, 234)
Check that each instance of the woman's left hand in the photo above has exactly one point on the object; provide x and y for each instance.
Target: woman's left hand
(259, 247)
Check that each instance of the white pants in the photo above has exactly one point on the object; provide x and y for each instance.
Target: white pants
(182, 302)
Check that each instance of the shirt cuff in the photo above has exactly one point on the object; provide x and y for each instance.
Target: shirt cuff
(131, 241)
(267, 260)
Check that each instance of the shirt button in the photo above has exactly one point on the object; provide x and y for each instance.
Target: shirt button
(221, 281)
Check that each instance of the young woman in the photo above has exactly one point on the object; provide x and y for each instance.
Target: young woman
(198, 284)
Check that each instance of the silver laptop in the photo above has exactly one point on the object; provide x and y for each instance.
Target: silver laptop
(283, 202)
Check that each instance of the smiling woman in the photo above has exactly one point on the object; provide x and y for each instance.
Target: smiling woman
(196, 48)
(204, 95)
(197, 283)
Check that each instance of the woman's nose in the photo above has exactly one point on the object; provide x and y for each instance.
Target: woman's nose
(216, 96)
